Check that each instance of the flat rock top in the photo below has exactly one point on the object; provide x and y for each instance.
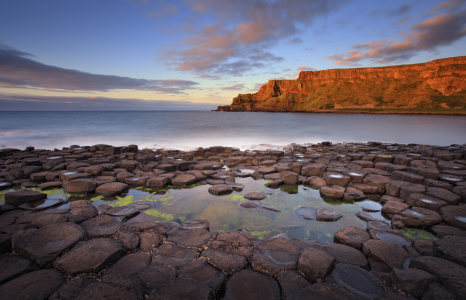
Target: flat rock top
(101, 226)
(12, 266)
(249, 284)
(90, 257)
(255, 196)
(47, 243)
(195, 238)
(173, 256)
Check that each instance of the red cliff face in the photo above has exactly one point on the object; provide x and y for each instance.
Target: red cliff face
(439, 84)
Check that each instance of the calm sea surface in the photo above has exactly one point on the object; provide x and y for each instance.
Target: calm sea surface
(186, 130)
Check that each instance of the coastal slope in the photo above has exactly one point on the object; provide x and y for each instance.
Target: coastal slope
(438, 86)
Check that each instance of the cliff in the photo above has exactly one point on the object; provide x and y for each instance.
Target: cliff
(439, 86)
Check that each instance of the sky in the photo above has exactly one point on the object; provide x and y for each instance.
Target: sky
(196, 55)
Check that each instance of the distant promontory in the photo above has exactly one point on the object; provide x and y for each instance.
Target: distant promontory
(438, 86)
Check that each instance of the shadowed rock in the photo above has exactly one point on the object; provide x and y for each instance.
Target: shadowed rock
(291, 282)
(248, 285)
(101, 226)
(352, 236)
(12, 266)
(173, 256)
(315, 264)
(23, 196)
(271, 257)
(195, 238)
(36, 285)
(228, 263)
(395, 256)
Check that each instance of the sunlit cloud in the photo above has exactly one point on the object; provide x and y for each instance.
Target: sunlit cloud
(18, 70)
(234, 87)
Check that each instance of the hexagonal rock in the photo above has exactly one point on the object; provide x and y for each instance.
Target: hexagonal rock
(336, 179)
(109, 290)
(157, 182)
(352, 194)
(195, 238)
(255, 196)
(352, 236)
(394, 207)
(130, 264)
(88, 211)
(346, 255)
(307, 213)
(248, 285)
(333, 191)
(450, 274)
(228, 263)
(395, 256)
(150, 239)
(444, 195)
(250, 204)
(378, 181)
(233, 242)
(183, 288)
(111, 189)
(315, 264)
(454, 215)
(368, 216)
(72, 288)
(321, 290)
(13, 266)
(219, 189)
(271, 257)
(313, 170)
(409, 177)
(412, 281)
(23, 196)
(289, 177)
(328, 214)
(419, 217)
(393, 187)
(47, 243)
(436, 291)
(156, 276)
(184, 179)
(291, 282)
(452, 249)
(201, 271)
(101, 226)
(361, 283)
(195, 224)
(392, 236)
(36, 285)
(173, 256)
(83, 185)
(90, 257)
(126, 212)
(424, 201)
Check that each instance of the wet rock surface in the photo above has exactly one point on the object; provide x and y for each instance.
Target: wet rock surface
(411, 210)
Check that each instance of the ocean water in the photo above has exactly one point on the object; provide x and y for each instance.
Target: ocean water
(185, 130)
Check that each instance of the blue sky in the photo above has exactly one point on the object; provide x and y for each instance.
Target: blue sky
(192, 54)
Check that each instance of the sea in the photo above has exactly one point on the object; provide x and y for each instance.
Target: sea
(187, 130)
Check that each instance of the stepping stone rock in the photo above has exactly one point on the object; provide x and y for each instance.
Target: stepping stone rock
(248, 285)
(315, 264)
(233, 242)
(391, 254)
(36, 285)
(111, 189)
(195, 224)
(201, 271)
(391, 236)
(450, 274)
(50, 185)
(454, 215)
(255, 196)
(124, 212)
(195, 238)
(90, 256)
(367, 216)
(130, 264)
(101, 226)
(317, 182)
(393, 187)
(333, 191)
(84, 185)
(228, 263)
(47, 243)
(220, 189)
(451, 248)
(23, 196)
(352, 236)
(420, 217)
(12, 266)
(149, 240)
(394, 207)
(183, 288)
(306, 213)
(313, 169)
(410, 189)
(289, 177)
(88, 211)
(412, 281)
(328, 214)
(271, 257)
(71, 289)
(436, 291)
(250, 204)
(173, 256)
(346, 255)
(444, 195)
(377, 181)
(353, 194)
(291, 282)
(336, 179)
(184, 179)
(421, 200)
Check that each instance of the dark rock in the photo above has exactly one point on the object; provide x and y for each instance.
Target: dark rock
(442, 230)
(40, 204)
(346, 255)
(195, 224)
(84, 185)
(271, 257)
(12, 266)
(395, 256)
(111, 189)
(307, 213)
(220, 189)
(424, 246)
(50, 185)
(356, 281)
(196, 238)
(124, 212)
(255, 196)
(250, 204)
(412, 281)
(149, 240)
(352, 236)
(394, 207)
(289, 177)
(228, 263)
(36, 285)
(173, 256)
(436, 291)
(183, 288)
(393, 187)
(104, 290)
(328, 214)
(156, 276)
(88, 211)
(47, 243)
(90, 256)
(410, 189)
(323, 291)
(421, 200)
(157, 182)
(248, 284)
(392, 294)
(233, 242)
(71, 289)
(454, 215)
(444, 195)
(23, 196)
(392, 236)
(313, 170)
(184, 179)
(291, 282)
(451, 248)
(450, 274)
(101, 226)
(419, 217)
(315, 264)
(130, 264)
(199, 270)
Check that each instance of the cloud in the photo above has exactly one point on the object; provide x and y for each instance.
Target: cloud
(240, 32)
(449, 5)
(305, 68)
(296, 41)
(441, 30)
(10, 102)
(234, 87)
(18, 70)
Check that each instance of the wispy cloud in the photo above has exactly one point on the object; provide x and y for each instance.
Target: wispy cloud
(9, 102)
(305, 68)
(237, 39)
(234, 87)
(441, 30)
(18, 70)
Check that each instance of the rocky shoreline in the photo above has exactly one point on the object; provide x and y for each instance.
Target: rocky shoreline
(104, 252)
